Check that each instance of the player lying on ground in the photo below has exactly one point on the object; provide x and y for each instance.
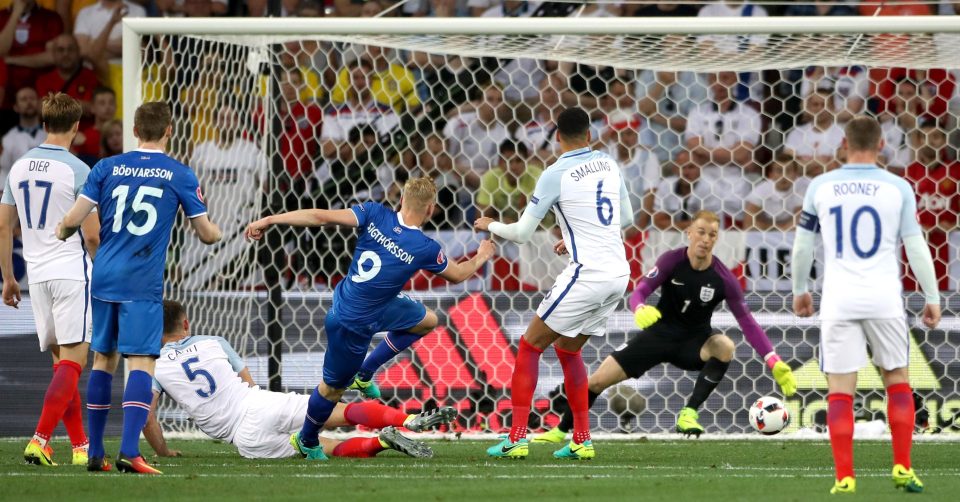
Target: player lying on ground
(861, 211)
(589, 197)
(390, 248)
(692, 283)
(207, 378)
(47, 180)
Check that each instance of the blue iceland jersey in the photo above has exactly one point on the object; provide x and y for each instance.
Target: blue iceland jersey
(386, 256)
(138, 195)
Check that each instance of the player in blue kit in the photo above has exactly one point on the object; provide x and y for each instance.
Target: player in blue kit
(137, 195)
(390, 249)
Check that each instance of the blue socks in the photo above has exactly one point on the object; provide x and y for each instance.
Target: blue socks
(392, 344)
(136, 406)
(98, 405)
(318, 411)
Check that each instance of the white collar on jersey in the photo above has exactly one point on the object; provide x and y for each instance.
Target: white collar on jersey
(148, 150)
(402, 224)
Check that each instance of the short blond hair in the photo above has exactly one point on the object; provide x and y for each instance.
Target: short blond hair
(60, 113)
(421, 192)
(707, 216)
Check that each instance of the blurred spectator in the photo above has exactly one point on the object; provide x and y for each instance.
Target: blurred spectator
(899, 8)
(111, 140)
(390, 82)
(191, 8)
(434, 162)
(474, 137)
(815, 142)
(731, 43)
(822, 8)
(509, 8)
(69, 76)
(661, 9)
(539, 133)
(518, 77)
(929, 92)
(99, 35)
(639, 167)
(895, 121)
(103, 106)
(353, 175)
(666, 99)
(678, 198)
(849, 86)
(934, 178)
(27, 134)
(504, 189)
(258, 8)
(359, 107)
(585, 84)
(299, 144)
(25, 31)
(618, 97)
(776, 200)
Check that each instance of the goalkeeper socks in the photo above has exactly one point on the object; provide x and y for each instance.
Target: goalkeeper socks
(98, 406)
(575, 384)
(73, 420)
(840, 425)
(57, 399)
(392, 344)
(136, 406)
(900, 417)
(359, 448)
(566, 422)
(710, 376)
(319, 409)
(523, 383)
(374, 415)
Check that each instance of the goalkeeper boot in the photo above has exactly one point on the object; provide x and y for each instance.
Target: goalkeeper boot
(35, 454)
(554, 435)
(80, 456)
(574, 451)
(367, 388)
(391, 438)
(136, 465)
(906, 479)
(847, 485)
(307, 452)
(506, 449)
(687, 422)
(430, 418)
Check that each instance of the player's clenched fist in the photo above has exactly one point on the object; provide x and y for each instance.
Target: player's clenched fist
(785, 379)
(486, 250)
(645, 316)
(255, 230)
(483, 224)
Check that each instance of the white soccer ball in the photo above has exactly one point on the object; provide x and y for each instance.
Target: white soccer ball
(769, 416)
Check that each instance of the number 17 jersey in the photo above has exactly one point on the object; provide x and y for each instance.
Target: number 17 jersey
(138, 194)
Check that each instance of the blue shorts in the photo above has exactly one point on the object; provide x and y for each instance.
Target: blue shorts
(347, 346)
(132, 328)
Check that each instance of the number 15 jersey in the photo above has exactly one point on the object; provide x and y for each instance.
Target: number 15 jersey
(861, 211)
(138, 194)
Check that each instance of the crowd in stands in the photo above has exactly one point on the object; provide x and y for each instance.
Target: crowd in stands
(353, 122)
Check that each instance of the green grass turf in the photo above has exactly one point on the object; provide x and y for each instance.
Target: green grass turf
(644, 470)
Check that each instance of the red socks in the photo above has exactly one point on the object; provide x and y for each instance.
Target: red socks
(900, 418)
(374, 415)
(575, 383)
(524, 382)
(840, 425)
(358, 448)
(73, 421)
(59, 394)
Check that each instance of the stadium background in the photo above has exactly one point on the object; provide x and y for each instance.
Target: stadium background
(270, 301)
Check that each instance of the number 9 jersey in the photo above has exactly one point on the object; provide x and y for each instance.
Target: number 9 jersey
(861, 211)
(138, 195)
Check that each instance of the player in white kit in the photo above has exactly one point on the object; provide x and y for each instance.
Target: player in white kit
(207, 378)
(861, 212)
(588, 195)
(41, 188)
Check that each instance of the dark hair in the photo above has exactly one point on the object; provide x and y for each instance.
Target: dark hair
(60, 113)
(103, 90)
(173, 315)
(152, 120)
(509, 145)
(863, 134)
(574, 124)
(360, 131)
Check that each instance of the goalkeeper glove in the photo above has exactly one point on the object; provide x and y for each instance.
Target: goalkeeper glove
(783, 375)
(645, 316)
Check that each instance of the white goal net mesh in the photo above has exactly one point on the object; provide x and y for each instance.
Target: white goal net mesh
(733, 123)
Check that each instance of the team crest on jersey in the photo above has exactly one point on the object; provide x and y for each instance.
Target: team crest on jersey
(706, 294)
(200, 195)
(397, 230)
(652, 273)
(441, 258)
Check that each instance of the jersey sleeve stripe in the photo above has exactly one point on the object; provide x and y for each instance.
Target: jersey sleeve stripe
(196, 215)
(88, 198)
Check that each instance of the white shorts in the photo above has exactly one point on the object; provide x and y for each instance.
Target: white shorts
(61, 309)
(576, 305)
(843, 344)
(271, 418)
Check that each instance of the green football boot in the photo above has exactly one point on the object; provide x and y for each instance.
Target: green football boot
(687, 422)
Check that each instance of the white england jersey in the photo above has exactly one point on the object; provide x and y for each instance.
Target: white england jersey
(584, 188)
(200, 374)
(43, 185)
(861, 212)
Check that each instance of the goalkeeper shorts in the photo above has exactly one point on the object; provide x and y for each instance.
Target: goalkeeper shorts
(661, 344)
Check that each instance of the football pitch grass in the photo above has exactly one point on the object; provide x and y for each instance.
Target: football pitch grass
(682, 470)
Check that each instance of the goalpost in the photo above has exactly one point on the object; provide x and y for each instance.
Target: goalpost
(249, 97)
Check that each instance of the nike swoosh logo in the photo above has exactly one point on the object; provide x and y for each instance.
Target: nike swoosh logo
(508, 449)
(674, 281)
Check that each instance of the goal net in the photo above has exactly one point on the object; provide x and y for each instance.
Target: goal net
(734, 115)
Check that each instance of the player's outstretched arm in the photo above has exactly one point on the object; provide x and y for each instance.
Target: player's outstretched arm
(154, 433)
(519, 232)
(459, 272)
(302, 218)
(74, 218)
(207, 231)
(11, 290)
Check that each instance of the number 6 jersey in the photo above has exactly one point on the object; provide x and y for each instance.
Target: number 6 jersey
(138, 194)
(860, 211)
